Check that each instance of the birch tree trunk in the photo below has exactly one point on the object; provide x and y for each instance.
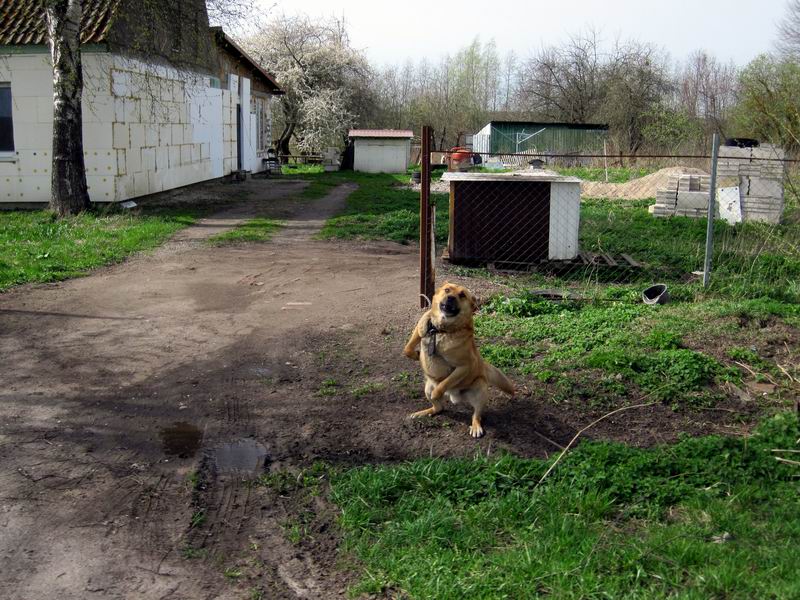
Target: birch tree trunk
(69, 193)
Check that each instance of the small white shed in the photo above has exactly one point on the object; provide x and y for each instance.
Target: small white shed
(381, 150)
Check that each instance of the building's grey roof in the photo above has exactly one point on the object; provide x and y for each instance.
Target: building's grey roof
(381, 133)
(225, 42)
(598, 126)
(23, 21)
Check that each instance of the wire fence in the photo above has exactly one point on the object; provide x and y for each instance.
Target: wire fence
(577, 222)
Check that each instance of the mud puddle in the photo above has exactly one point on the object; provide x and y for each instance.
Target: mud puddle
(242, 457)
(181, 439)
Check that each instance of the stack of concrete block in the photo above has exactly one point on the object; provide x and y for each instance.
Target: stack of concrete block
(684, 196)
(757, 172)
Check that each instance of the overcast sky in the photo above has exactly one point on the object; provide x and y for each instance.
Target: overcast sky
(390, 32)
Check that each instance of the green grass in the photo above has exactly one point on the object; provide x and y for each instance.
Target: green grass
(615, 174)
(37, 247)
(707, 517)
(750, 260)
(383, 207)
(254, 230)
(614, 348)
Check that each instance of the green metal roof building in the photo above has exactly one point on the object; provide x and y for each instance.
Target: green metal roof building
(509, 137)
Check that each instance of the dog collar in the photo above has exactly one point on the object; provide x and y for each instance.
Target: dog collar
(430, 333)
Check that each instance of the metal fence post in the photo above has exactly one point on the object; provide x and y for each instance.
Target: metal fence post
(712, 201)
(426, 274)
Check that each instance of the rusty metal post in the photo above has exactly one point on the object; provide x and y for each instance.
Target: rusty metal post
(426, 274)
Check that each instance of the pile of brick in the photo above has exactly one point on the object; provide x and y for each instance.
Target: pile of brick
(683, 196)
(758, 173)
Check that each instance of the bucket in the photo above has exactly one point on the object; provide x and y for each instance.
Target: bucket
(416, 177)
(656, 294)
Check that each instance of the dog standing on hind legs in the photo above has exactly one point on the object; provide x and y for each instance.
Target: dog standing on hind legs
(450, 360)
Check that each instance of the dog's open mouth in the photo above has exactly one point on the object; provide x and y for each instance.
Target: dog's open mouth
(449, 308)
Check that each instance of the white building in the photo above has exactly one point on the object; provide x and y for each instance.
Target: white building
(381, 150)
(200, 111)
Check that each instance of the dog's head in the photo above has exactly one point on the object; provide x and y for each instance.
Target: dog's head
(453, 305)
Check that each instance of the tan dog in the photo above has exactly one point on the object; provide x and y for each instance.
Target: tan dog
(450, 359)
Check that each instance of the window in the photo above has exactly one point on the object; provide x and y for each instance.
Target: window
(260, 107)
(6, 127)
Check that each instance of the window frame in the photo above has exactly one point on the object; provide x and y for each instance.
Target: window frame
(12, 153)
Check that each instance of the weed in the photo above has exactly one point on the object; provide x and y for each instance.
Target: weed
(366, 389)
(296, 528)
(254, 230)
(329, 387)
(256, 594)
(198, 518)
(232, 573)
(286, 482)
(193, 479)
(190, 552)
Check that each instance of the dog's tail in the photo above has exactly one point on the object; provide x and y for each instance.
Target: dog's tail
(498, 379)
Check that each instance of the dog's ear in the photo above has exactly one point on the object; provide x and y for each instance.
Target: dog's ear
(475, 302)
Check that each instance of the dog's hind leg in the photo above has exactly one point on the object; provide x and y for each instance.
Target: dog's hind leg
(477, 396)
(433, 410)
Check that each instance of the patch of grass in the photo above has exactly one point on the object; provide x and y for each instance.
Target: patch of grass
(256, 594)
(254, 230)
(232, 573)
(751, 260)
(294, 170)
(707, 517)
(329, 387)
(636, 344)
(615, 174)
(383, 207)
(198, 518)
(366, 389)
(190, 552)
(35, 246)
(193, 479)
(296, 528)
(287, 482)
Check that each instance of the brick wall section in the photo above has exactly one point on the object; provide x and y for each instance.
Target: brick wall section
(757, 172)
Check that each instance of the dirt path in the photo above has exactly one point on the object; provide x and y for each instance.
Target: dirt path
(95, 369)
(137, 403)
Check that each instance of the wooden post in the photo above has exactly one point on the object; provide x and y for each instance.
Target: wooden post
(426, 273)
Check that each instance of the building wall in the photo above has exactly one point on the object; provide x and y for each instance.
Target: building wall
(381, 155)
(146, 128)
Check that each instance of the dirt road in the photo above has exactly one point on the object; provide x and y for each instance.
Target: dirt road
(137, 403)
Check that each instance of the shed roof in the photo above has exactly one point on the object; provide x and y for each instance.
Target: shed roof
(23, 21)
(585, 126)
(381, 133)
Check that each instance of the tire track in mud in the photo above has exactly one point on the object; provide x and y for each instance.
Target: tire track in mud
(229, 506)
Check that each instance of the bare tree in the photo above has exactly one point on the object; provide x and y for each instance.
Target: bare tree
(69, 192)
(789, 31)
(564, 83)
(634, 81)
(706, 90)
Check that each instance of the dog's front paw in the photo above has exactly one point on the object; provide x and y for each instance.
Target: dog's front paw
(412, 354)
(475, 430)
(421, 413)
